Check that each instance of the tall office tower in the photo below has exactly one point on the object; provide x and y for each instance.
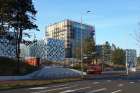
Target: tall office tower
(70, 32)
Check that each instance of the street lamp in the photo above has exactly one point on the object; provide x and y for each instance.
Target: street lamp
(82, 70)
(126, 64)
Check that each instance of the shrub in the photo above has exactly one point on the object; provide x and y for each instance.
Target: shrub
(9, 66)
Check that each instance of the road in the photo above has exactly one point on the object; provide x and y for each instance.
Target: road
(130, 84)
(86, 86)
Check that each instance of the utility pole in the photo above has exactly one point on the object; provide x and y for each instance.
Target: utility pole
(103, 58)
(82, 69)
(126, 64)
(82, 75)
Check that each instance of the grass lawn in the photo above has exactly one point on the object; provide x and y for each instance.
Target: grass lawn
(32, 83)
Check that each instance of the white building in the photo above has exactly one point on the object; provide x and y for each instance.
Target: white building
(49, 49)
(8, 45)
(131, 58)
(24, 51)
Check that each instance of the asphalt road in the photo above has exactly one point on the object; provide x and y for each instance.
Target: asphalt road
(86, 86)
(130, 84)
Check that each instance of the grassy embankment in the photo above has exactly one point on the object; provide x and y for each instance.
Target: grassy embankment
(4, 85)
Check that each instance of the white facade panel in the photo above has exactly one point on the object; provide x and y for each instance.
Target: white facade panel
(8, 45)
(50, 49)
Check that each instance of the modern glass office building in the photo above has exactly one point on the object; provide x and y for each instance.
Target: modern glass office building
(70, 32)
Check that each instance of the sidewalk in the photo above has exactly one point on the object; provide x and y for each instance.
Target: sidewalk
(107, 75)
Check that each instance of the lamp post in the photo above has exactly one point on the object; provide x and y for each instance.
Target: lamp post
(82, 74)
(82, 69)
(126, 64)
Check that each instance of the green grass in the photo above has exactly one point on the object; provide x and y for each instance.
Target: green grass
(4, 85)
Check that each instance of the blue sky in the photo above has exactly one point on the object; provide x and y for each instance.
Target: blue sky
(115, 21)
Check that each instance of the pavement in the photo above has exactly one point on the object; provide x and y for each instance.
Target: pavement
(110, 84)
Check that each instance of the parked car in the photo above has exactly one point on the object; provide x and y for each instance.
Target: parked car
(94, 69)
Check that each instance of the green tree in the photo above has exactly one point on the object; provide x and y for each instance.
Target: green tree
(118, 57)
(4, 14)
(89, 46)
(107, 53)
(138, 60)
(17, 15)
(78, 53)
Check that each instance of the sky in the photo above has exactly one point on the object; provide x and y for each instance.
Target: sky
(115, 21)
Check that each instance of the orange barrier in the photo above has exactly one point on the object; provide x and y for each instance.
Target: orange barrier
(32, 61)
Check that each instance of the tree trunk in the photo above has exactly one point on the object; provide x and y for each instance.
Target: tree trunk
(19, 38)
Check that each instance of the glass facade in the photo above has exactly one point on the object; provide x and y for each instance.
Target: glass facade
(70, 32)
(131, 56)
